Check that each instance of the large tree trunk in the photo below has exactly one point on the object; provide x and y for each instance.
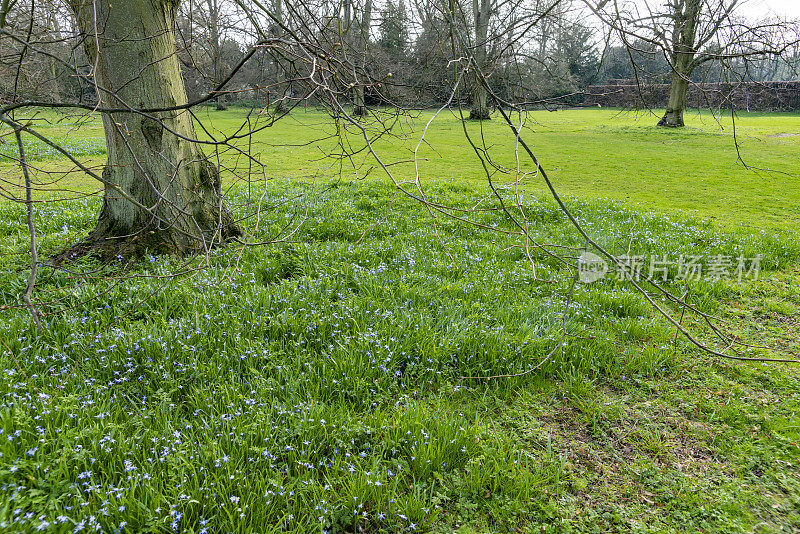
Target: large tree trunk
(480, 109)
(176, 188)
(673, 117)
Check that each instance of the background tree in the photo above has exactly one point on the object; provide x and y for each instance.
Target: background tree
(213, 12)
(691, 33)
(393, 30)
(576, 47)
(431, 53)
(640, 60)
(553, 61)
(363, 21)
(281, 69)
(481, 11)
(40, 74)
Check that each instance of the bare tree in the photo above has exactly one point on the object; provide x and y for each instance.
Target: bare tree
(481, 10)
(362, 20)
(691, 33)
(281, 70)
(213, 29)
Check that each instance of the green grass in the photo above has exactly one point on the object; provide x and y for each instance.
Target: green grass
(317, 385)
(590, 154)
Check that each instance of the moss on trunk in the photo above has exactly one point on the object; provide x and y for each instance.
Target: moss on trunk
(151, 157)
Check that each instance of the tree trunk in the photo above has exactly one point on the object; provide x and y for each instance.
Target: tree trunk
(685, 19)
(213, 24)
(177, 203)
(359, 103)
(673, 117)
(281, 74)
(55, 87)
(480, 109)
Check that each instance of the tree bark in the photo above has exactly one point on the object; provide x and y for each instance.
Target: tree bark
(480, 109)
(673, 117)
(178, 205)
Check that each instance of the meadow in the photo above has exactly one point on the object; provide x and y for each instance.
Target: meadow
(327, 383)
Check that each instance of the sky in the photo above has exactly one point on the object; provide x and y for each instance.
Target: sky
(790, 8)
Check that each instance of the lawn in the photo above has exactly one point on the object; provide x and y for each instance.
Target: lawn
(323, 384)
(590, 154)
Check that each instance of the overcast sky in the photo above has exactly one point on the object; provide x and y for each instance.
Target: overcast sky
(790, 8)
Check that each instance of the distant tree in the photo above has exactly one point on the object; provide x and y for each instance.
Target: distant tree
(362, 20)
(575, 46)
(691, 33)
(281, 69)
(558, 58)
(40, 75)
(393, 29)
(430, 54)
(640, 60)
(213, 15)
(207, 48)
(493, 28)
(481, 11)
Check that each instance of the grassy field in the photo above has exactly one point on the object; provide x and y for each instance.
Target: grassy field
(591, 154)
(318, 385)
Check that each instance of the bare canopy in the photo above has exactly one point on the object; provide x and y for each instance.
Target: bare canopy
(691, 33)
